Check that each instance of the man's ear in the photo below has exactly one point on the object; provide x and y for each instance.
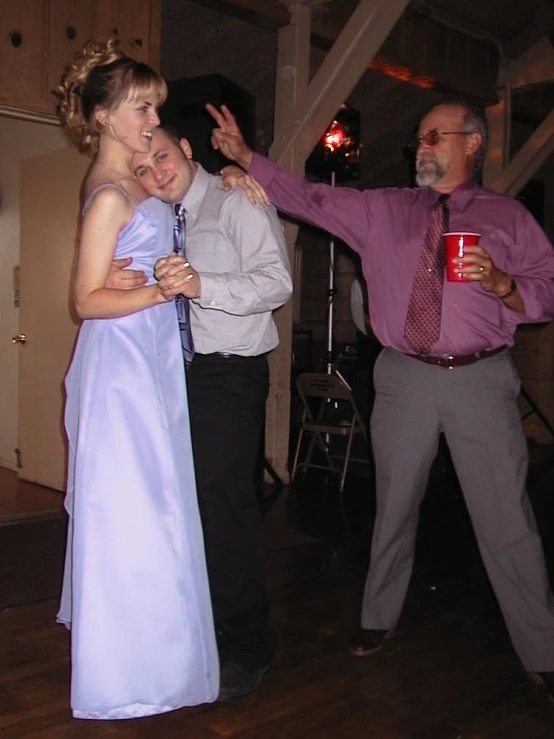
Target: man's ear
(473, 142)
(185, 148)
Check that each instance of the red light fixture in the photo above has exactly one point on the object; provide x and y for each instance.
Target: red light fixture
(338, 150)
(334, 137)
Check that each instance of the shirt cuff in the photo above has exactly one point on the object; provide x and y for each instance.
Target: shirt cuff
(535, 310)
(262, 169)
(208, 290)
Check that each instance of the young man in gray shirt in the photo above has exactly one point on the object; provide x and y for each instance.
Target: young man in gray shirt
(236, 273)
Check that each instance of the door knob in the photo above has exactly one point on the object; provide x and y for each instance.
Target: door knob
(19, 339)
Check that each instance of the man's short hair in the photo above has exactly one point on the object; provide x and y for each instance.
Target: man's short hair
(171, 133)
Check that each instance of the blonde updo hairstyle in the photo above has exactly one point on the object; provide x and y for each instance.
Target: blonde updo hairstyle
(101, 76)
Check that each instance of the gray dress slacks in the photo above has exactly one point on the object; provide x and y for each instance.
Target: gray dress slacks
(475, 406)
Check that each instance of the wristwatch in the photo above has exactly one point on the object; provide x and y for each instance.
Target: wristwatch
(511, 291)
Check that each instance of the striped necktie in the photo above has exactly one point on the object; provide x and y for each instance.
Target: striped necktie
(182, 303)
(423, 321)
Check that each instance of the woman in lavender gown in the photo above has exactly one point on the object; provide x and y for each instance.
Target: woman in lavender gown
(135, 591)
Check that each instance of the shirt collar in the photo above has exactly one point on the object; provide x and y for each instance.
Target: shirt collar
(196, 192)
(460, 197)
(464, 194)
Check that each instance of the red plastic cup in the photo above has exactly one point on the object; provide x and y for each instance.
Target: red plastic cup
(455, 243)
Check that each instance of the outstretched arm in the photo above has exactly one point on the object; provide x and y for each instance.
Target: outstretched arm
(343, 211)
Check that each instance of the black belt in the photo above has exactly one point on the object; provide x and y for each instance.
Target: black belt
(447, 361)
(229, 355)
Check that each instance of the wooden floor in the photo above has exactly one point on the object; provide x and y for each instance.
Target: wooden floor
(448, 673)
(21, 500)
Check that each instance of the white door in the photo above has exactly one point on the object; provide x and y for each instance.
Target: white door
(49, 207)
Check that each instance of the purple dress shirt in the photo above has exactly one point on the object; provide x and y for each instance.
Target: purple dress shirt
(387, 228)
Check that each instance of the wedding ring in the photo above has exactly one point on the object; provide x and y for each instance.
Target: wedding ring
(481, 268)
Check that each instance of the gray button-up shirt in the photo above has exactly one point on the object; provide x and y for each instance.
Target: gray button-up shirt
(240, 253)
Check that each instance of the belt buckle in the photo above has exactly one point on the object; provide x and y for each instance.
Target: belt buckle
(446, 361)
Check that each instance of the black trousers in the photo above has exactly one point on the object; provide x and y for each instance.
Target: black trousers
(227, 397)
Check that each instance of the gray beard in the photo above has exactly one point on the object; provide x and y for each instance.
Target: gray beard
(428, 176)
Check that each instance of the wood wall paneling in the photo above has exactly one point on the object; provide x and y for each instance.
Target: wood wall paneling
(24, 54)
(70, 26)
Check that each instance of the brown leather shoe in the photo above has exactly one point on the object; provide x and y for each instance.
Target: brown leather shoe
(368, 641)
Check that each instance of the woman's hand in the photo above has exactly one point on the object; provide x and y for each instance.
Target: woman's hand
(175, 277)
(237, 177)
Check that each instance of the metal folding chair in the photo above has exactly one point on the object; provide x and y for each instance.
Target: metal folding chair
(328, 410)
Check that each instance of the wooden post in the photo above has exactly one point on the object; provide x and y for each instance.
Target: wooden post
(532, 155)
(499, 119)
(532, 353)
(293, 59)
(343, 67)
(302, 113)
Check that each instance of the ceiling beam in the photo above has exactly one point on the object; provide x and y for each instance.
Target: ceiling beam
(528, 160)
(418, 50)
(528, 72)
(541, 25)
(259, 13)
(342, 68)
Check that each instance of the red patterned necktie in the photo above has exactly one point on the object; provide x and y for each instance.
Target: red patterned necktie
(423, 321)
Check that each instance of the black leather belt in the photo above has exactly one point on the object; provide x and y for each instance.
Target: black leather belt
(448, 361)
(229, 355)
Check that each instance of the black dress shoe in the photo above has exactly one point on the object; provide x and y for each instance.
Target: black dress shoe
(544, 680)
(368, 641)
(235, 681)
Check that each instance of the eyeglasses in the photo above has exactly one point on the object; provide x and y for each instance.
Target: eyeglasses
(433, 137)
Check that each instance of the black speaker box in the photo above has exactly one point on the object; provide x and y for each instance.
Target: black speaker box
(184, 110)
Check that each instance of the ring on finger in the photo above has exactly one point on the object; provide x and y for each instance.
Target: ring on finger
(481, 268)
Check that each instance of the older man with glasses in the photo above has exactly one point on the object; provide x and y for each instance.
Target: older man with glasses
(445, 365)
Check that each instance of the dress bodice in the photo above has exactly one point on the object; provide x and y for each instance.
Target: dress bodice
(148, 235)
